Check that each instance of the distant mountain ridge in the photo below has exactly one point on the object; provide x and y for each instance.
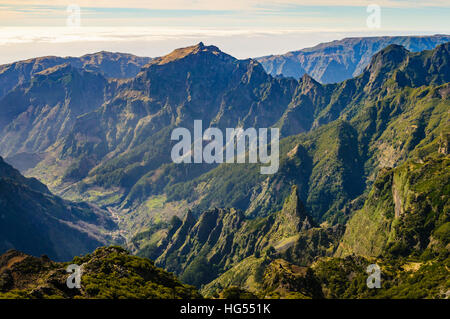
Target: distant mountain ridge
(35, 114)
(109, 64)
(339, 60)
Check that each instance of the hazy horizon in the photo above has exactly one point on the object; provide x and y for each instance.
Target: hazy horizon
(244, 29)
(165, 48)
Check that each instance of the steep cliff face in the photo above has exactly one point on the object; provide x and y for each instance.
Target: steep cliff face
(292, 218)
(369, 229)
(406, 213)
(41, 98)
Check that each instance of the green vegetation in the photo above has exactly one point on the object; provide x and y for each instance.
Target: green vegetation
(107, 273)
(236, 293)
(406, 213)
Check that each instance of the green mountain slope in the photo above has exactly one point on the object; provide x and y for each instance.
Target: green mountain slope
(402, 227)
(389, 122)
(119, 154)
(407, 212)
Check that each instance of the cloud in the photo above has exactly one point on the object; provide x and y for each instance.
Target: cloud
(9, 35)
(224, 5)
(40, 26)
(202, 13)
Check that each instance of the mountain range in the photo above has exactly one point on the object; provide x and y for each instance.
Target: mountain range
(340, 60)
(363, 175)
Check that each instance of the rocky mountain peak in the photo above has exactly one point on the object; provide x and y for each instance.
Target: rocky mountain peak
(189, 220)
(293, 206)
(308, 84)
(293, 216)
(182, 53)
(387, 59)
(307, 79)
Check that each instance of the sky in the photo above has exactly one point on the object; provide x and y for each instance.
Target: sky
(242, 28)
